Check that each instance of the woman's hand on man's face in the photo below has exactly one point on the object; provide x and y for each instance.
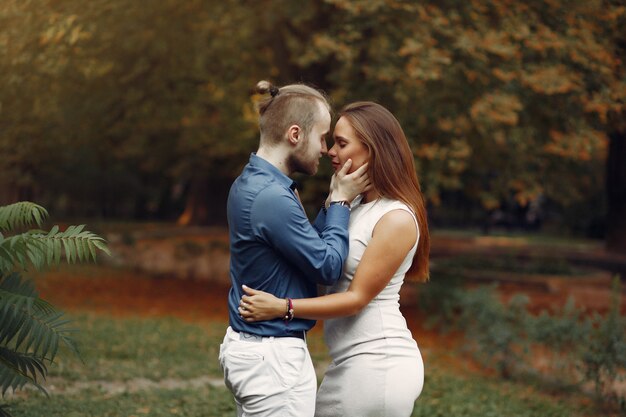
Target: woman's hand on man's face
(346, 186)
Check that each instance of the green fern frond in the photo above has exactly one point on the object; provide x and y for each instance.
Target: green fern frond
(43, 249)
(20, 369)
(18, 293)
(36, 333)
(21, 214)
(4, 410)
(31, 329)
(9, 326)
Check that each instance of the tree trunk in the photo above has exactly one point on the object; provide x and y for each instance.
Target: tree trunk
(616, 192)
(616, 159)
(206, 202)
(9, 194)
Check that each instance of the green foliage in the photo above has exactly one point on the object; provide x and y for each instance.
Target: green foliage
(147, 96)
(496, 332)
(39, 248)
(496, 98)
(458, 266)
(440, 300)
(44, 249)
(18, 215)
(581, 348)
(499, 101)
(604, 354)
(31, 329)
(564, 332)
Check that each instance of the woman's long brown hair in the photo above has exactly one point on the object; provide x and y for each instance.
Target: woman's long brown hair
(392, 169)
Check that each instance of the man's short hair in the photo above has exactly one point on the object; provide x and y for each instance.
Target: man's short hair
(294, 104)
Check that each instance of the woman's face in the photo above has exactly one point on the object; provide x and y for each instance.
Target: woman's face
(347, 146)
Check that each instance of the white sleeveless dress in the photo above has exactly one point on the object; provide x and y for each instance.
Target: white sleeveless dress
(376, 367)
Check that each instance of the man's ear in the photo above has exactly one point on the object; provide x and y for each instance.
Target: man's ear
(294, 134)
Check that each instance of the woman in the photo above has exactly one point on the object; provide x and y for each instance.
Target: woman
(376, 367)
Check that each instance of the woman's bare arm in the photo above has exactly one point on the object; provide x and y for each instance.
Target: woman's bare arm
(393, 237)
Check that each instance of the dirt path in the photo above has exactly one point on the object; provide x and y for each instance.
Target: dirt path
(124, 293)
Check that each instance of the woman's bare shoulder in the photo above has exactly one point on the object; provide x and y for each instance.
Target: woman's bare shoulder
(397, 224)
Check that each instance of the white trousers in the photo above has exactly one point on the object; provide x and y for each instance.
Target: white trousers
(269, 376)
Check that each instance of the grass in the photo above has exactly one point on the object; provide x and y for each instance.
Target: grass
(447, 393)
(123, 349)
(202, 402)
(125, 352)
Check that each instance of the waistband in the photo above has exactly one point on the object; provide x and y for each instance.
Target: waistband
(255, 338)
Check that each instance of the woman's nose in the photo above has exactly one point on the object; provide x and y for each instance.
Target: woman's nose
(332, 152)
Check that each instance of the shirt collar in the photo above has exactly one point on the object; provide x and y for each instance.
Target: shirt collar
(258, 162)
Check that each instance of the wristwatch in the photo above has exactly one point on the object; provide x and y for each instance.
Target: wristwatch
(344, 203)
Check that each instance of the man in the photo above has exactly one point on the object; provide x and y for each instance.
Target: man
(274, 248)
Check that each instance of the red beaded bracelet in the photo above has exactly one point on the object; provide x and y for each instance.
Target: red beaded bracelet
(289, 313)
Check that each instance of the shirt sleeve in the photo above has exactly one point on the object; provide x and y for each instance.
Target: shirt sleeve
(320, 221)
(279, 220)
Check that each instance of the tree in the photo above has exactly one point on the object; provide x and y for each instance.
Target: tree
(147, 97)
(616, 187)
(616, 120)
(500, 99)
(31, 329)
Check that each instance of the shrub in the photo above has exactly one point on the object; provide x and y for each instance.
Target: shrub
(507, 263)
(497, 332)
(584, 349)
(440, 300)
(604, 354)
(562, 331)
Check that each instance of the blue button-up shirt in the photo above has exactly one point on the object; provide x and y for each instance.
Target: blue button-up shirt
(274, 247)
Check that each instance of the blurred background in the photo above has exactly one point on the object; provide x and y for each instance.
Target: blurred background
(135, 118)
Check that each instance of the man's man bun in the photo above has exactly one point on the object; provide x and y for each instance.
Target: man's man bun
(264, 87)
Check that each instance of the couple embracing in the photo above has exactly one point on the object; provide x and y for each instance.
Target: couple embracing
(369, 234)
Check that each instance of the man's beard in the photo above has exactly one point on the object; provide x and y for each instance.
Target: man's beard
(297, 161)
